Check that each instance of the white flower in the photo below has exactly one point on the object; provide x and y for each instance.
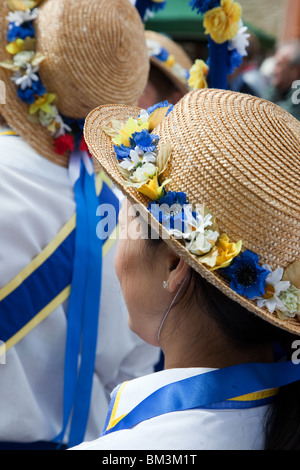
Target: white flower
(198, 239)
(240, 42)
(20, 17)
(197, 225)
(179, 71)
(23, 58)
(274, 286)
(61, 126)
(143, 117)
(47, 118)
(153, 47)
(144, 173)
(137, 156)
(291, 300)
(203, 242)
(25, 79)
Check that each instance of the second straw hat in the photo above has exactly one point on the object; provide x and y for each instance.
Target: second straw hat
(94, 53)
(235, 155)
(169, 57)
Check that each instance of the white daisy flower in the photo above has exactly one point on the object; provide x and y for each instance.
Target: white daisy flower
(240, 42)
(274, 286)
(24, 79)
(20, 17)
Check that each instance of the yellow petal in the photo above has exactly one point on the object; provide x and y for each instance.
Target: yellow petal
(211, 258)
(152, 188)
(16, 5)
(163, 157)
(292, 274)
(170, 60)
(156, 117)
(226, 251)
(15, 47)
(8, 64)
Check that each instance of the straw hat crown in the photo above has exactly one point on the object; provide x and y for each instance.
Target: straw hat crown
(236, 154)
(95, 53)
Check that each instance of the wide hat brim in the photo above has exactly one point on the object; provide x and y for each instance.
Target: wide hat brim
(92, 49)
(251, 193)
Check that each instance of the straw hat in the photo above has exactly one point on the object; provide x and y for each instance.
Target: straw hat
(179, 62)
(237, 154)
(95, 53)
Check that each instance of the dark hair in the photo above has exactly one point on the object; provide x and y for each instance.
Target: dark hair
(282, 427)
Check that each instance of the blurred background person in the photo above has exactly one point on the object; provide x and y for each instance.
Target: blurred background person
(286, 71)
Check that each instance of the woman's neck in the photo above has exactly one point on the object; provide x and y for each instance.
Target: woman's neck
(209, 348)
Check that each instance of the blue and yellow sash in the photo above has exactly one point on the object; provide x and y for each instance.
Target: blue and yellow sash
(70, 266)
(236, 387)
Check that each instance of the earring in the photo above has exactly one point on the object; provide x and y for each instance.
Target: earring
(165, 284)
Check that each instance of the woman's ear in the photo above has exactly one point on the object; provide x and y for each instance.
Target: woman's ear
(178, 272)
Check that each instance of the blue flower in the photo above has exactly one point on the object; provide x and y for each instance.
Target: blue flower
(23, 31)
(234, 59)
(122, 151)
(144, 140)
(246, 276)
(163, 55)
(169, 210)
(202, 6)
(28, 95)
(162, 104)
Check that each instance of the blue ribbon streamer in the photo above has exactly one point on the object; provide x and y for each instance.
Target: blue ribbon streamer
(218, 64)
(83, 311)
(211, 387)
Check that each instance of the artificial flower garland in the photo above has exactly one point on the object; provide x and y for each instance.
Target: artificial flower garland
(141, 164)
(25, 62)
(222, 21)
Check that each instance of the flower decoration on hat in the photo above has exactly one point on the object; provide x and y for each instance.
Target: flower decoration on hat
(142, 162)
(167, 59)
(24, 64)
(222, 22)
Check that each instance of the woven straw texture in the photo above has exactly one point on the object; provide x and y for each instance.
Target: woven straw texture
(95, 54)
(237, 154)
(179, 53)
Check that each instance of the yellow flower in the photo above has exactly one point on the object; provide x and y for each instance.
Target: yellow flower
(222, 22)
(42, 103)
(22, 5)
(170, 60)
(130, 128)
(222, 254)
(152, 189)
(20, 45)
(198, 74)
(226, 251)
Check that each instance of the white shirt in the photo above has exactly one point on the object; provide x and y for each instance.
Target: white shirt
(196, 429)
(36, 200)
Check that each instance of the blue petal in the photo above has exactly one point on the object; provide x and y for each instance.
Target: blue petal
(162, 104)
(122, 151)
(202, 6)
(23, 31)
